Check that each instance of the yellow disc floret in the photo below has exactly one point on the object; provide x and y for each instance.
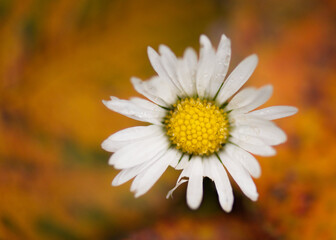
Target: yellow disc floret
(197, 127)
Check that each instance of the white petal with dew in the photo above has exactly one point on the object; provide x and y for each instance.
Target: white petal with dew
(139, 152)
(189, 66)
(186, 70)
(136, 110)
(130, 135)
(214, 169)
(143, 103)
(269, 134)
(242, 98)
(206, 66)
(195, 183)
(246, 138)
(237, 78)
(246, 159)
(129, 173)
(156, 90)
(169, 63)
(274, 112)
(240, 175)
(249, 120)
(157, 64)
(148, 177)
(222, 62)
(262, 96)
(261, 150)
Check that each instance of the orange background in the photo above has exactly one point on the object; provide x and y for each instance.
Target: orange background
(59, 59)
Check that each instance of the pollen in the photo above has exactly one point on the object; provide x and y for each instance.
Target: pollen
(197, 127)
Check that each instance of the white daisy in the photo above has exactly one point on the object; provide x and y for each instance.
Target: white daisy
(197, 125)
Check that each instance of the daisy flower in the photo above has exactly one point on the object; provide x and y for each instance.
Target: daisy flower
(198, 124)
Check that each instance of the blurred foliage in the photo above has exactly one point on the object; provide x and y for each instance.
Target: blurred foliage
(59, 59)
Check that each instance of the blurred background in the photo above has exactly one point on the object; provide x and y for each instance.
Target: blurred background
(59, 59)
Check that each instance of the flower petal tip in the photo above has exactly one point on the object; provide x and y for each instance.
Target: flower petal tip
(228, 208)
(204, 40)
(104, 145)
(294, 110)
(114, 183)
(136, 195)
(257, 175)
(253, 57)
(193, 205)
(252, 60)
(151, 51)
(255, 197)
(163, 48)
(223, 36)
(135, 80)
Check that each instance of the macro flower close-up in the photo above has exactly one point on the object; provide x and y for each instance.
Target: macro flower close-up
(167, 120)
(200, 123)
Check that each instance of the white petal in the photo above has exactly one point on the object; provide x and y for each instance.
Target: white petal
(185, 173)
(156, 90)
(186, 70)
(248, 120)
(269, 134)
(148, 178)
(241, 176)
(170, 193)
(195, 183)
(139, 152)
(242, 98)
(129, 173)
(262, 96)
(266, 130)
(247, 138)
(246, 159)
(136, 110)
(130, 135)
(223, 56)
(261, 150)
(191, 57)
(237, 78)
(155, 60)
(178, 160)
(160, 69)
(143, 103)
(124, 176)
(214, 169)
(274, 112)
(167, 53)
(206, 67)
(169, 63)
(183, 163)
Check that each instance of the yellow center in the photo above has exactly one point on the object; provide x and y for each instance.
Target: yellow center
(197, 127)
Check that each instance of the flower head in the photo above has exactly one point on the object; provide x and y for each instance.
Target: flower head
(199, 124)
